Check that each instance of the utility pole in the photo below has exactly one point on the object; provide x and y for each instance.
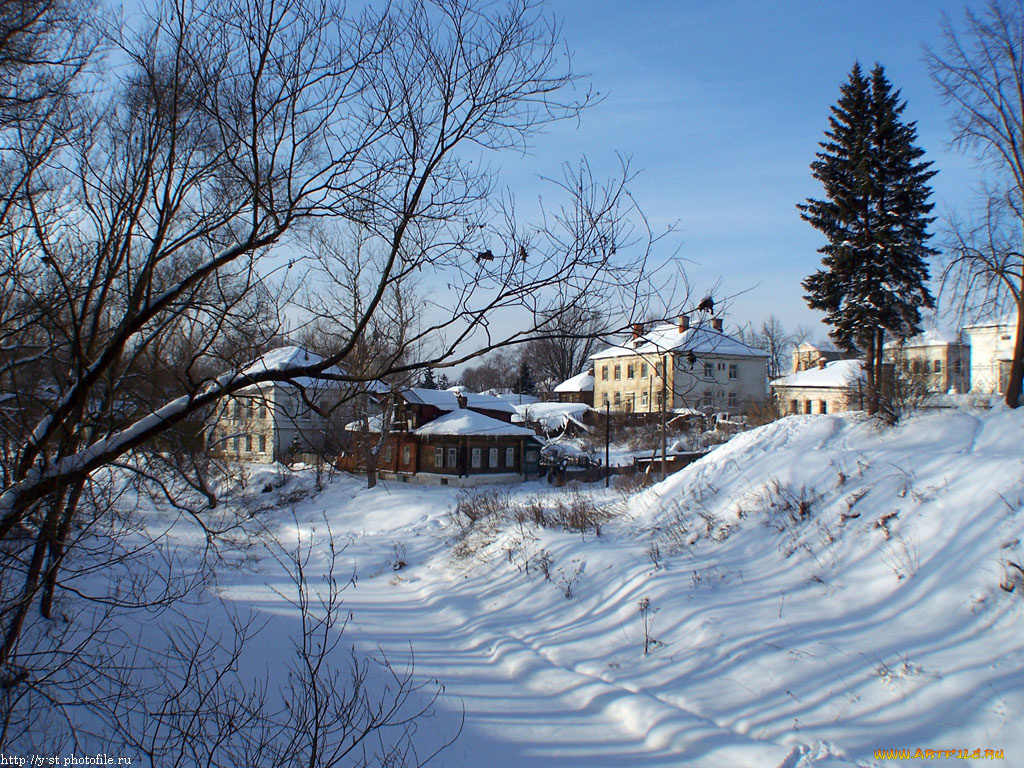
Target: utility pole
(664, 406)
(607, 442)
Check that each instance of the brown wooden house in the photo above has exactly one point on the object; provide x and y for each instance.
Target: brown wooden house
(454, 438)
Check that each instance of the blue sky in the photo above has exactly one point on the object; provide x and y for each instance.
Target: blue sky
(721, 105)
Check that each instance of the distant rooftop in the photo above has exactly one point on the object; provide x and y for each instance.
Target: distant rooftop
(283, 359)
(838, 373)
(466, 422)
(581, 382)
(446, 400)
(932, 337)
(666, 337)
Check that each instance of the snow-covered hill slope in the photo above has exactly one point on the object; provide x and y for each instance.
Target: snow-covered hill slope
(816, 590)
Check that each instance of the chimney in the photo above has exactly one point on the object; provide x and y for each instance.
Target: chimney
(684, 323)
(638, 330)
(716, 323)
(821, 363)
(461, 400)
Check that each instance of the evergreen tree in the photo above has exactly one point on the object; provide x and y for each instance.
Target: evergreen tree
(526, 384)
(428, 381)
(443, 382)
(875, 217)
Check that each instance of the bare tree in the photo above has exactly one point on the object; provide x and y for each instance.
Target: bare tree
(772, 338)
(497, 370)
(155, 230)
(567, 353)
(979, 73)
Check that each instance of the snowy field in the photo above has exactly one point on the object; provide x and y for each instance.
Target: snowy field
(815, 590)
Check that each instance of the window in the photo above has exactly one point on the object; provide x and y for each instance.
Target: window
(387, 453)
(439, 457)
(643, 370)
(807, 406)
(644, 400)
(732, 399)
(937, 366)
(794, 406)
(263, 411)
(733, 371)
(510, 456)
(629, 371)
(263, 443)
(248, 443)
(657, 369)
(453, 458)
(477, 458)
(234, 443)
(915, 366)
(708, 398)
(604, 398)
(604, 373)
(492, 458)
(721, 366)
(618, 398)
(709, 370)
(618, 372)
(823, 406)
(406, 455)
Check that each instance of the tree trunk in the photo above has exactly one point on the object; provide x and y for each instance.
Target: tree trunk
(1013, 387)
(869, 371)
(57, 548)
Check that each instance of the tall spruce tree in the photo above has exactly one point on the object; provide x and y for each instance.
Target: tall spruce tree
(873, 283)
(525, 383)
(428, 381)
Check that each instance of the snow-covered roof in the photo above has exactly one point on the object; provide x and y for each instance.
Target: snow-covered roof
(552, 416)
(581, 382)
(514, 398)
(838, 373)
(293, 356)
(374, 423)
(446, 400)
(933, 337)
(823, 345)
(466, 422)
(667, 337)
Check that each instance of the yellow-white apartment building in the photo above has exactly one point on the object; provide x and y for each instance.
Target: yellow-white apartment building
(695, 366)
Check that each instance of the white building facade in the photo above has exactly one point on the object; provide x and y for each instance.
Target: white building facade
(991, 354)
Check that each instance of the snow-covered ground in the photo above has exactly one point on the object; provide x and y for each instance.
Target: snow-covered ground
(816, 590)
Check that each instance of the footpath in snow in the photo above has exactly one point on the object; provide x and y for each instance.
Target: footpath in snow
(816, 590)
